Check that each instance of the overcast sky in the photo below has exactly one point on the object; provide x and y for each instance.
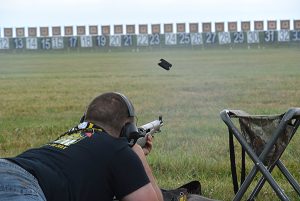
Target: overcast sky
(37, 13)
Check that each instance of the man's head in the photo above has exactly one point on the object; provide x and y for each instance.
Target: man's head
(111, 111)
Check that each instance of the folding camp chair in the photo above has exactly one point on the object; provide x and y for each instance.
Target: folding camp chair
(264, 138)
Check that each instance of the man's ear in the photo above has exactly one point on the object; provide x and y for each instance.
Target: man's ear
(130, 132)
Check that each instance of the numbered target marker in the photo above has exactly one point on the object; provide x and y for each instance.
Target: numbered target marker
(168, 28)
(238, 37)
(86, 41)
(20, 32)
(184, 39)
(210, 38)
(8, 32)
(31, 43)
(142, 40)
(32, 31)
(283, 36)
(269, 36)
(73, 42)
(232, 26)
(170, 39)
(127, 40)
(155, 28)
(206, 27)
(252, 37)
(130, 29)
(115, 41)
(196, 39)
(295, 35)
(245, 26)
(4, 43)
(19, 43)
(57, 42)
(194, 27)
(44, 31)
(224, 38)
(285, 24)
(46, 43)
(154, 39)
(180, 27)
(56, 31)
(101, 41)
(93, 30)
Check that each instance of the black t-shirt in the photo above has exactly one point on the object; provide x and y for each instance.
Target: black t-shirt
(85, 166)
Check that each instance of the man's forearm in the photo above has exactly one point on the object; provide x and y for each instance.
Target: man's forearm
(149, 173)
(152, 179)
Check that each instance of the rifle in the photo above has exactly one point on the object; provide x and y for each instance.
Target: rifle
(149, 129)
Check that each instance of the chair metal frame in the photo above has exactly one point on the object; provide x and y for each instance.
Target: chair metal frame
(292, 116)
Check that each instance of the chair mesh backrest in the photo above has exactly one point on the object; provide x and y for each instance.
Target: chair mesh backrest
(258, 130)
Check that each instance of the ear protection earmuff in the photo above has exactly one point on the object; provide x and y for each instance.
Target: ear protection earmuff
(129, 130)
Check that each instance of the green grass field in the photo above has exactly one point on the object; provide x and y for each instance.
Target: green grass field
(44, 94)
